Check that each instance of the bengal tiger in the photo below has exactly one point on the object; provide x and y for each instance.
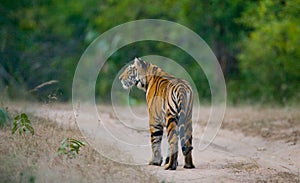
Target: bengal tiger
(170, 102)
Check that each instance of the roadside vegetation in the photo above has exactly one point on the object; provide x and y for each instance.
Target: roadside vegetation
(43, 158)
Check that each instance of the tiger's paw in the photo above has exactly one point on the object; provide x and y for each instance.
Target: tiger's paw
(156, 162)
(167, 161)
(191, 166)
(171, 166)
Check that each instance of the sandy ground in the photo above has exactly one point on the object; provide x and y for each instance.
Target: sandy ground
(234, 156)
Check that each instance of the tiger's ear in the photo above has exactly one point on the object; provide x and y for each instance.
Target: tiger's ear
(138, 62)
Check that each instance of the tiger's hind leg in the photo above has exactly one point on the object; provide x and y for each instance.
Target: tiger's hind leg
(156, 131)
(173, 142)
(185, 132)
(188, 160)
(187, 147)
(168, 158)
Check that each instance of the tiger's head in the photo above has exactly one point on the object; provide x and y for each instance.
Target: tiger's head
(135, 75)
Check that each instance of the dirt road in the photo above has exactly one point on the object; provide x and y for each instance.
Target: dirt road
(232, 157)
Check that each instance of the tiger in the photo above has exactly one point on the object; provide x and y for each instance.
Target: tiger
(169, 100)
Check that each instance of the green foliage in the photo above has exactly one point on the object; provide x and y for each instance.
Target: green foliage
(69, 146)
(269, 61)
(41, 41)
(22, 124)
(4, 117)
(256, 43)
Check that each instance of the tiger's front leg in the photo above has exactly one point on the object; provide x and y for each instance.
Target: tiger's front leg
(173, 142)
(156, 131)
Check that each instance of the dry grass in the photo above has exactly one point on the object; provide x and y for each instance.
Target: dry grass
(269, 123)
(246, 170)
(34, 159)
(242, 166)
(279, 177)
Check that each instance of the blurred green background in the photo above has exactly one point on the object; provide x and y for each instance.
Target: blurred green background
(256, 42)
